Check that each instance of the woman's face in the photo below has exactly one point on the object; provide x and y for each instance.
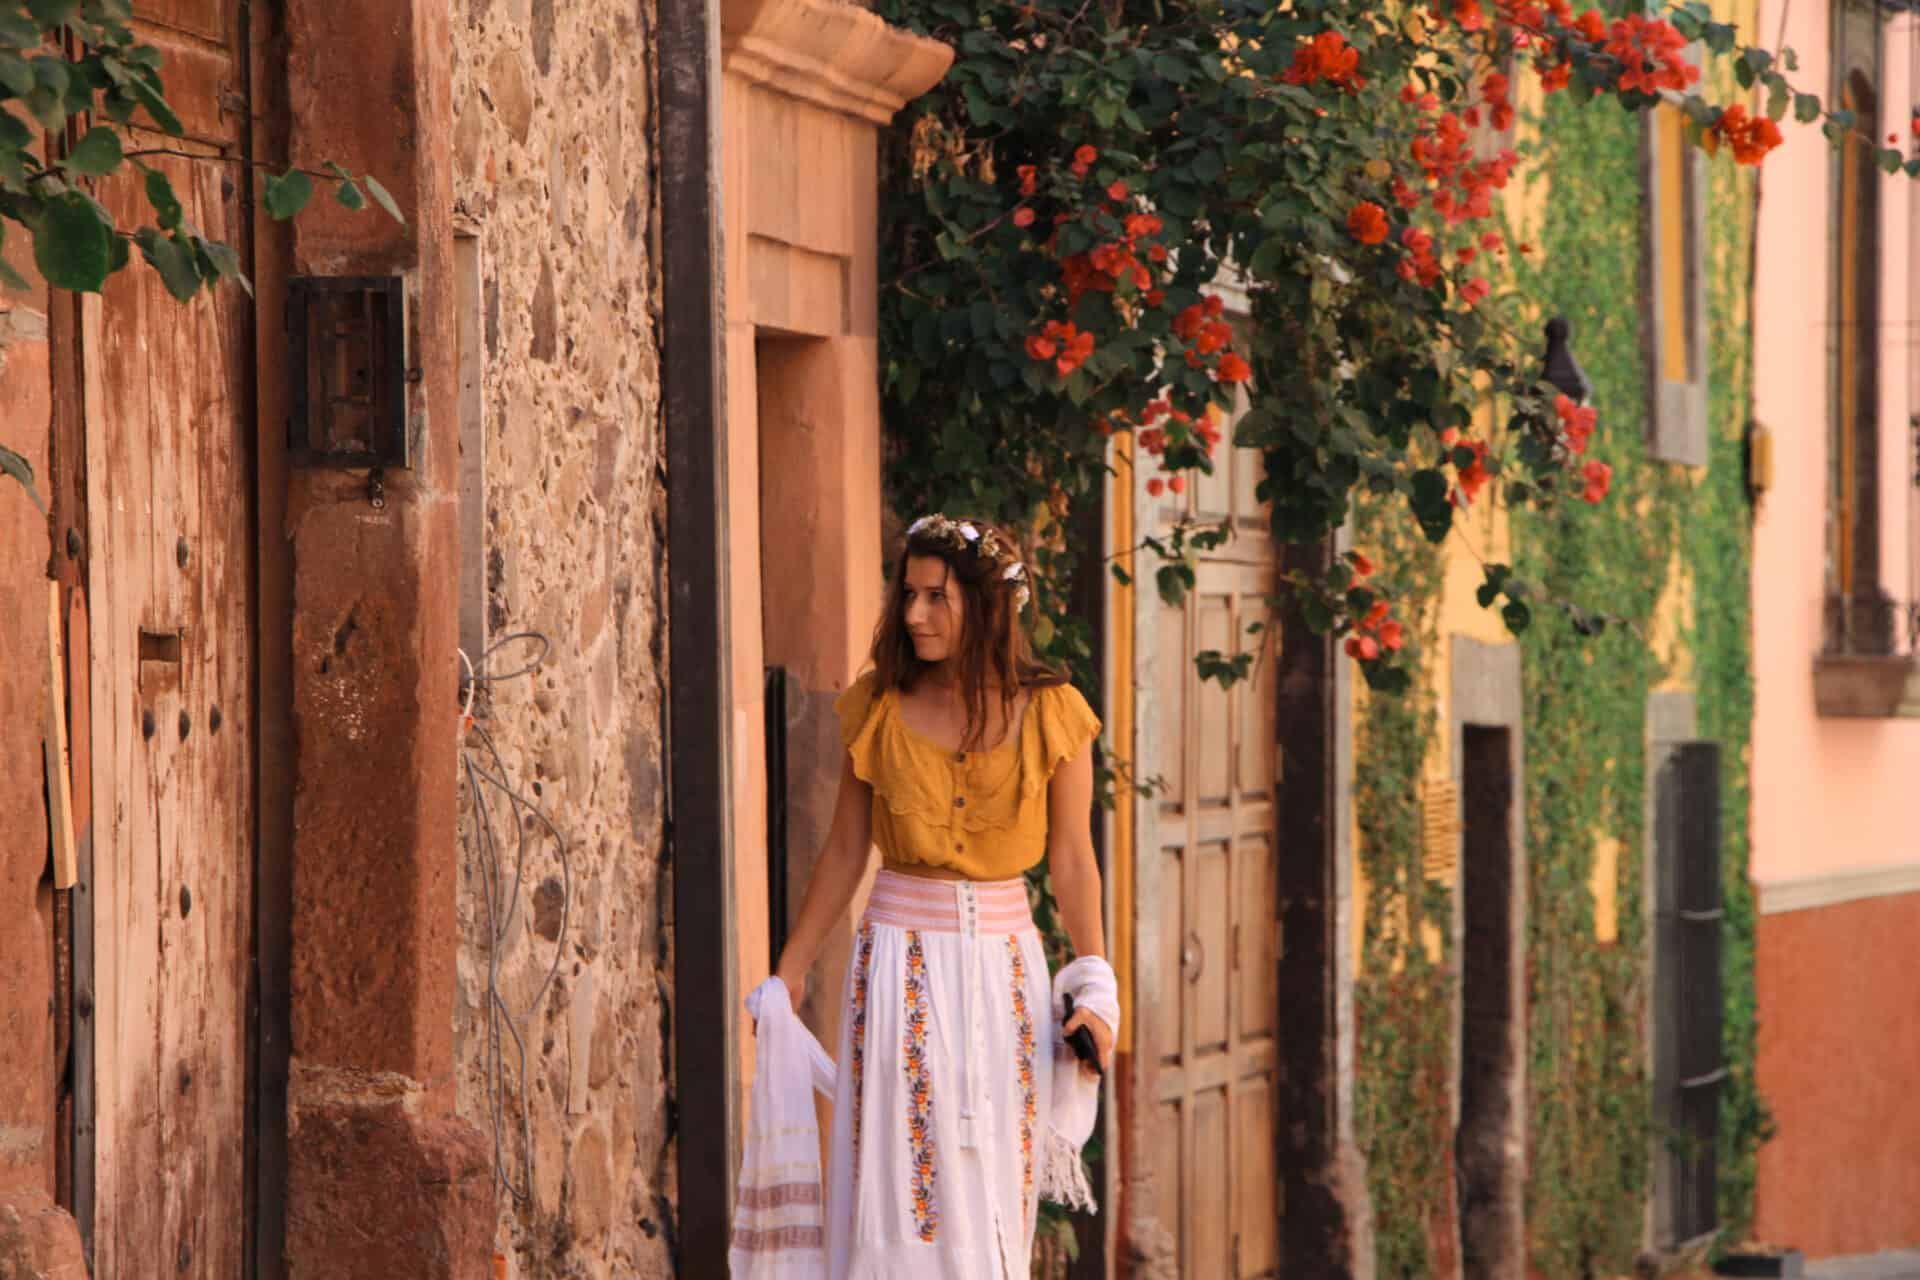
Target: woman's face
(933, 607)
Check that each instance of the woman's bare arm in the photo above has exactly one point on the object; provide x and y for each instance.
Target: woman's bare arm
(836, 877)
(1076, 876)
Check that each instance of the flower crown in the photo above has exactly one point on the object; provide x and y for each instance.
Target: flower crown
(983, 544)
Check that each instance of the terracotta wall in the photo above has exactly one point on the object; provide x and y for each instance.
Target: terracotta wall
(33, 1234)
(1838, 1042)
(554, 115)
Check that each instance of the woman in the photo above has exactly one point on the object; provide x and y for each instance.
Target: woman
(966, 761)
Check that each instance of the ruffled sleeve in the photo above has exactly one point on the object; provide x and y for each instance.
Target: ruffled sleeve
(859, 709)
(1066, 725)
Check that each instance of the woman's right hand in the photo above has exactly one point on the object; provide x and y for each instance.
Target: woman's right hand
(796, 986)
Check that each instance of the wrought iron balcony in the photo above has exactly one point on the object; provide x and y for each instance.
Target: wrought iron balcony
(1867, 667)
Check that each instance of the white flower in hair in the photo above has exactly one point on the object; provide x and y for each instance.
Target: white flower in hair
(1015, 572)
(970, 533)
(919, 524)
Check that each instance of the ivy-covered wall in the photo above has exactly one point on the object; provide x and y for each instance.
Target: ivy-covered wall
(1589, 1119)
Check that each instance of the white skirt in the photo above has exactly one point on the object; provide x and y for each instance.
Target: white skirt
(947, 1054)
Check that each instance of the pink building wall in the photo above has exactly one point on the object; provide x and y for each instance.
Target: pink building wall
(1835, 818)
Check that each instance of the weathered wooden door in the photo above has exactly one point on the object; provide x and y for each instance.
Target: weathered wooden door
(1207, 910)
(168, 420)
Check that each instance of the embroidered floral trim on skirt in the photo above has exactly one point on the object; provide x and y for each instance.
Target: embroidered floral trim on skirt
(947, 1052)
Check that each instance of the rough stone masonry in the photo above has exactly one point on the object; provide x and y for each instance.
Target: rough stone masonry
(554, 181)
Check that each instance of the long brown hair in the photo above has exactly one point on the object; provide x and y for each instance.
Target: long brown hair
(994, 648)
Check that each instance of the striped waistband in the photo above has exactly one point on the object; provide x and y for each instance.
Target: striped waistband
(949, 906)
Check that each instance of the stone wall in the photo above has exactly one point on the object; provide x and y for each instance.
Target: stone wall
(554, 179)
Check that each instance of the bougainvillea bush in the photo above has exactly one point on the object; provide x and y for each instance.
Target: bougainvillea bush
(1062, 211)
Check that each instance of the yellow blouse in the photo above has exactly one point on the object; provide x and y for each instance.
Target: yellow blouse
(978, 814)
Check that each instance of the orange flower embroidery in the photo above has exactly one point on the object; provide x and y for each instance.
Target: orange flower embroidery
(1023, 1043)
(926, 1215)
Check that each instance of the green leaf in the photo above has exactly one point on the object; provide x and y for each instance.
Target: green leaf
(173, 259)
(1889, 160)
(383, 198)
(13, 134)
(48, 107)
(20, 469)
(288, 194)
(17, 31)
(349, 195)
(52, 13)
(16, 76)
(145, 89)
(226, 262)
(1516, 616)
(166, 206)
(1777, 98)
(1806, 107)
(72, 247)
(13, 169)
(96, 155)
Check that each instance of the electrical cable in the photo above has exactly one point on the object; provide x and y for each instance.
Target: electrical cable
(503, 901)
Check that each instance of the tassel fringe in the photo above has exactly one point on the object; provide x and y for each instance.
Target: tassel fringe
(1062, 1176)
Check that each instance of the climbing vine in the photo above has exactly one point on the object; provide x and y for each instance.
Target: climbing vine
(1590, 1119)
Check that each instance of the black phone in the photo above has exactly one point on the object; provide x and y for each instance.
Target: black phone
(1081, 1041)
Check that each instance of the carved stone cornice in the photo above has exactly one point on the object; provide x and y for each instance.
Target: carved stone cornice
(829, 53)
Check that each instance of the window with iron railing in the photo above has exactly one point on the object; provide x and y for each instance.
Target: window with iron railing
(1869, 636)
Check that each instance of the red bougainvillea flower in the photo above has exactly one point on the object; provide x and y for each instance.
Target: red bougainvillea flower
(1492, 242)
(1083, 158)
(1214, 335)
(1063, 343)
(1598, 477)
(1367, 223)
(1376, 615)
(1651, 54)
(1156, 486)
(1178, 484)
(1364, 648)
(1327, 57)
(1023, 217)
(1117, 192)
(1187, 324)
(1392, 636)
(1233, 369)
(1750, 137)
(1474, 290)
(1029, 179)
(1474, 476)
(1362, 566)
(1592, 26)
(1555, 79)
(1576, 423)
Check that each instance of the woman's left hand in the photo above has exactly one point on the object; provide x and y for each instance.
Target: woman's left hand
(1102, 1037)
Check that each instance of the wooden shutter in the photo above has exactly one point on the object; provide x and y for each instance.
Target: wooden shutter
(1689, 1068)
